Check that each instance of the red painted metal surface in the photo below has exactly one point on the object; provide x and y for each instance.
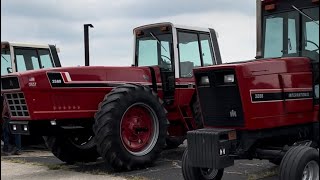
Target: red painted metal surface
(46, 102)
(273, 75)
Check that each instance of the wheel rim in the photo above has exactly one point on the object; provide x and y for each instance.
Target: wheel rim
(139, 129)
(311, 171)
(83, 141)
(208, 173)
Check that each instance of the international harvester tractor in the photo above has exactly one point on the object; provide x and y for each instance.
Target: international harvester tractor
(17, 57)
(124, 114)
(266, 108)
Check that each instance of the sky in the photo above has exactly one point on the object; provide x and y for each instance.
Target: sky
(61, 22)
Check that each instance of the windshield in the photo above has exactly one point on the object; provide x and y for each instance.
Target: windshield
(154, 49)
(282, 36)
(32, 59)
(25, 59)
(5, 61)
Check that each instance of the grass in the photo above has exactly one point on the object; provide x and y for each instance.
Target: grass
(263, 174)
(96, 172)
(136, 178)
(54, 166)
(21, 161)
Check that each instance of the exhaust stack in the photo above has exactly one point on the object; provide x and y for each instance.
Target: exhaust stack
(86, 43)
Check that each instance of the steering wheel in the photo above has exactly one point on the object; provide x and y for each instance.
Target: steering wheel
(308, 41)
(166, 58)
(165, 63)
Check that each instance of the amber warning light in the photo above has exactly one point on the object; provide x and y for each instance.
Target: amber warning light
(269, 5)
(3, 46)
(139, 33)
(164, 28)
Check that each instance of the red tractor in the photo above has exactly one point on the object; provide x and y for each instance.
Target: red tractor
(124, 114)
(267, 108)
(18, 57)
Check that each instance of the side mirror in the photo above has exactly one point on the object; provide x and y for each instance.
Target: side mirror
(9, 69)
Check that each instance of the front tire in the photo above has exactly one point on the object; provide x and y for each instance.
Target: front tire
(300, 163)
(69, 149)
(194, 173)
(130, 127)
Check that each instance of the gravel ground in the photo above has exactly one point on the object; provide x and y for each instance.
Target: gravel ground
(41, 164)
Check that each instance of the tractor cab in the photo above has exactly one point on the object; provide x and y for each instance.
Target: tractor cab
(18, 57)
(175, 48)
(289, 29)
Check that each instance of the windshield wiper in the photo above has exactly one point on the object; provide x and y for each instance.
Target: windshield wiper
(304, 14)
(158, 41)
(4, 58)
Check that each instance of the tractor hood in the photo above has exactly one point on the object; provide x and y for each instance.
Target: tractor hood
(265, 66)
(86, 77)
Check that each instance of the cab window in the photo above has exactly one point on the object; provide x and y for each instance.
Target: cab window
(195, 50)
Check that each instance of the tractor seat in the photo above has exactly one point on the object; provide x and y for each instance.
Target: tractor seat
(186, 68)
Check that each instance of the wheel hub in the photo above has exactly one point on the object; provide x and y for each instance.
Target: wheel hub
(139, 129)
(208, 173)
(311, 171)
(84, 141)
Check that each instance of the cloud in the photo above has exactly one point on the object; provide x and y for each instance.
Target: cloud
(111, 43)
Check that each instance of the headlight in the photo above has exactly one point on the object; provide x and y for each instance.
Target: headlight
(229, 78)
(204, 81)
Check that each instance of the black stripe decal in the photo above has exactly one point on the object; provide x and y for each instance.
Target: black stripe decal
(185, 86)
(56, 81)
(279, 96)
(255, 97)
(298, 95)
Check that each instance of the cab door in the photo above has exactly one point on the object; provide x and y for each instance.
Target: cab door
(195, 49)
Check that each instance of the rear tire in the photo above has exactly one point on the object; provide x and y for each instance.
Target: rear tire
(130, 127)
(174, 142)
(298, 163)
(65, 149)
(194, 173)
(196, 111)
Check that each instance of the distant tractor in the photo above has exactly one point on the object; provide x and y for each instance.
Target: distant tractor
(267, 108)
(18, 57)
(124, 114)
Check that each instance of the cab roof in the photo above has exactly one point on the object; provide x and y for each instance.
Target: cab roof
(31, 45)
(172, 25)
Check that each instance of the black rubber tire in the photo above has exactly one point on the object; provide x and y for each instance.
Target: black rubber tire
(295, 160)
(66, 151)
(194, 173)
(174, 142)
(107, 126)
(196, 111)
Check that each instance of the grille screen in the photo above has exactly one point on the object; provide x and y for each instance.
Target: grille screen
(17, 105)
(220, 102)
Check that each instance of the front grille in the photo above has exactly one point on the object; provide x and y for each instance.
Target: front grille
(10, 83)
(17, 104)
(220, 103)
